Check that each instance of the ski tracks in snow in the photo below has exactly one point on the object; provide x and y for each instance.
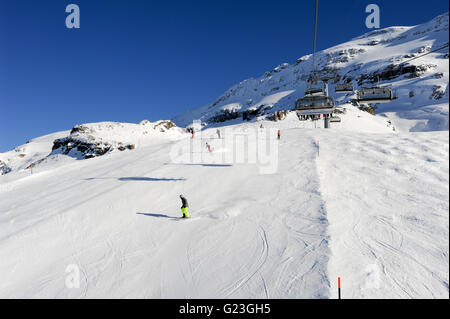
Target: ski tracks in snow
(387, 202)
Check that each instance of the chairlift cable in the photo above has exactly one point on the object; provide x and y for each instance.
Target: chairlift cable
(315, 35)
(438, 49)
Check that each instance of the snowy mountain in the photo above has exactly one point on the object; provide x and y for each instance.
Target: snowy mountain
(420, 85)
(86, 141)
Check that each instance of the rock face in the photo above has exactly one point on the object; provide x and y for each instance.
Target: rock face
(278, 116)
(81, 148)
(4, 169)
(164, 126)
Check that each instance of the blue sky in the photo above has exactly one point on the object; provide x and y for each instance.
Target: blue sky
(134, 59)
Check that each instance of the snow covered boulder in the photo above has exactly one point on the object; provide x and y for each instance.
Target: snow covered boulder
(164, 126)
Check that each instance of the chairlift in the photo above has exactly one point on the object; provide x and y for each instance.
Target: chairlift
(310, 102)
(314, 91)
(343, 88)
(375, 94)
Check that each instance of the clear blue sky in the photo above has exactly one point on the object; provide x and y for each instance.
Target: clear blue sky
(134, 59)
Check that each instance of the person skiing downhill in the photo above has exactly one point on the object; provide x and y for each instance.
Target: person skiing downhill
(184, 207)
(208, 147)
(279, 134)
(218, 133)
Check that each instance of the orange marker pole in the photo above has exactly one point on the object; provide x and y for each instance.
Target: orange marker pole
(339, 287)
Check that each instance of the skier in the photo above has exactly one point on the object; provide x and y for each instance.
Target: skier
(279, 134)
(208, 147)
(261, 126)
(184, 207)
(218, 133)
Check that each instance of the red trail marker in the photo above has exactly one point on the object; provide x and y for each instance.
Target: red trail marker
(339, 287)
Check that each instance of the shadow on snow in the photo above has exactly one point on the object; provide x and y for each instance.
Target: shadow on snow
(157, 215)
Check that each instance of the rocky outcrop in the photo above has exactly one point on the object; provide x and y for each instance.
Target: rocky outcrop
(80, 148)
(394, 71)
(163, 126)
(367, 108)
(224, 115)
(438, 93)
(278, 116)
(4, 169)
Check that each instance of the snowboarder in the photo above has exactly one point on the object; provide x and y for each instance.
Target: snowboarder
(279, 134)
(184, 207)
(218, 133)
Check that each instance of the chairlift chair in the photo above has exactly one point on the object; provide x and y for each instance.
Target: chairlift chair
(343, 88)
(309, 102)
(314, 91)
(375, 94)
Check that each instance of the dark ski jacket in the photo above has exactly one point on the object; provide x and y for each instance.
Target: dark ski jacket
(183, 202)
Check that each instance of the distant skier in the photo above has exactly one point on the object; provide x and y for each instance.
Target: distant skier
(218, 133)
(279, 134)
(184, 207)
(208, 147)
(261, 126)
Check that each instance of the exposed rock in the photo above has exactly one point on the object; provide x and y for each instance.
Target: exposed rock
(438, 93)
(394, 71)
(144, 122)
(367, 108)
(279, 115)
(4, 169)
(224, 115)
(89, 150)
(164, 125)
(80, 129)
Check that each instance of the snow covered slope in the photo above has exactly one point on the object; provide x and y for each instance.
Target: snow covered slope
(420, 85)
(86, 141)
(365, 203)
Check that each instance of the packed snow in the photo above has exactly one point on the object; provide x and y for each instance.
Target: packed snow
(370, 207)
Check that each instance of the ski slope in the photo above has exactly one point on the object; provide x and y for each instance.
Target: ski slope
(359, 201)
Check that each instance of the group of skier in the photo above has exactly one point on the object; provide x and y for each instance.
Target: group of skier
(184, 202)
